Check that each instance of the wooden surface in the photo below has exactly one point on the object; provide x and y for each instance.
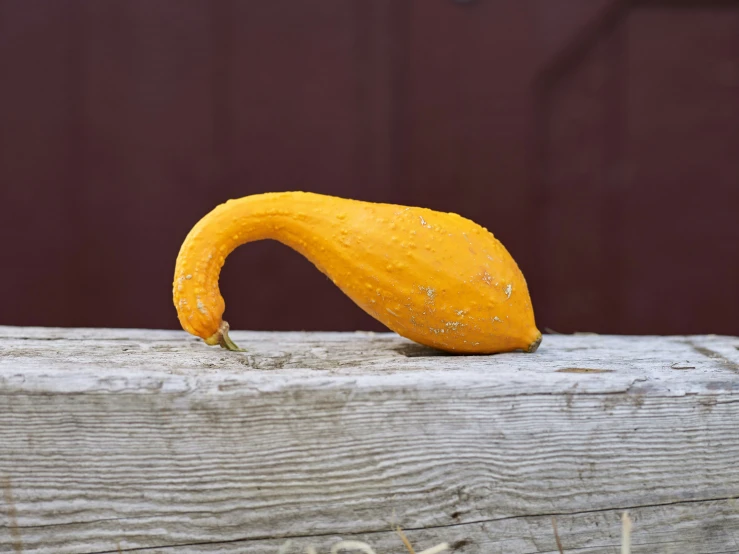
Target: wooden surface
(150, 441)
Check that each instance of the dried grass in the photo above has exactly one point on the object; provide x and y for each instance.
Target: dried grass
(626, 534)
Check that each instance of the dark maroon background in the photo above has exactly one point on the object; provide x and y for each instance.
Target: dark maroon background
(598, 139)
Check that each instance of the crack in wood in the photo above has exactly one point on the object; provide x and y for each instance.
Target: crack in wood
(356, 533)
(578, 512)
(709, 353)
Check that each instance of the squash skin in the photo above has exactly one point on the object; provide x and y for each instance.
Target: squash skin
(435, 278)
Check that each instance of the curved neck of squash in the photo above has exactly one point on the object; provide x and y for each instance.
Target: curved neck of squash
(196, 294)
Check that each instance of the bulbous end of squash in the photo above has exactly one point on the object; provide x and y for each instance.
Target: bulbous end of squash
(221, 338)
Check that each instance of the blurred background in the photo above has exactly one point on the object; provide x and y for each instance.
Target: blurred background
(597, 139)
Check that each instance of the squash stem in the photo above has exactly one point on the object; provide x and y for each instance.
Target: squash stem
(221, 337)
(228, 344)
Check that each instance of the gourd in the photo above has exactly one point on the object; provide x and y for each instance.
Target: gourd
(435, 278)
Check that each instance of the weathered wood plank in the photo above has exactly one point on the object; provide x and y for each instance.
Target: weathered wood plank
(149, 439)
(704, 527)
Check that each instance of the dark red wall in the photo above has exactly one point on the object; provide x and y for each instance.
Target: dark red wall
(598, 139)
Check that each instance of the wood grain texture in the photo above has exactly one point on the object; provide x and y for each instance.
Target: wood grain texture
(149, 441)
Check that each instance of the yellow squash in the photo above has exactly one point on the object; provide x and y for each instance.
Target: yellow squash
(436, 278)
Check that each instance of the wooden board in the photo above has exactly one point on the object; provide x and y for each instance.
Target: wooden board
(149, 441)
